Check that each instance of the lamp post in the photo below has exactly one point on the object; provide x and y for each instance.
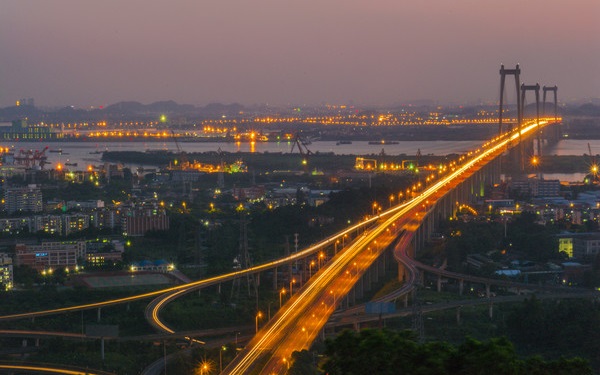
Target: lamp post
(204, 368)
(291, 286)
(321, 258)
(258, 316)
(281, 293)
(310, 267)
(333, 294)
(223, 348)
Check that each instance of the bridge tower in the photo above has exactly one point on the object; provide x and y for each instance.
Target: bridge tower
(503, 73)
(536, 89)
(554, 89)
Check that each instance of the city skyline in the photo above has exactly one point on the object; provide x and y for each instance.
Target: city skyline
(385, 53)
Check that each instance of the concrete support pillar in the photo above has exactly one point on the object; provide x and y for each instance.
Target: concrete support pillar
(491, 310)
(367, 277)
(461, 287)
(37, 342)
(406, 300)
(487, 290)
(439, 283)
(458, 315)
(99, 315)
(219, 288)
(24, 343)
(360, 288)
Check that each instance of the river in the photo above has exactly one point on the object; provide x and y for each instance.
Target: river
(86, 153)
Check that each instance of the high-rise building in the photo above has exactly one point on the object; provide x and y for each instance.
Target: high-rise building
(23, 199)
(6, 272)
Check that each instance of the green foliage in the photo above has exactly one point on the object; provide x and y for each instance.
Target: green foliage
(537, 241)
(303, 363)
(388, 352)
(558, 327)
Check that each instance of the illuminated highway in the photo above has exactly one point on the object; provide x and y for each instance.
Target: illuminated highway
(35, 369)
(299, 322)
(200, 283)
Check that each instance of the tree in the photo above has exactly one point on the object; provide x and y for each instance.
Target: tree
(387, 352)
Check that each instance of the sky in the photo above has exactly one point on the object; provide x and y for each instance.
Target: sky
(302, 52)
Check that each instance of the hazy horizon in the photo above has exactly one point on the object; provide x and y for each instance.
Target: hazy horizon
(68, 52)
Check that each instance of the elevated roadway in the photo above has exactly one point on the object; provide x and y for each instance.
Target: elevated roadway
(299, 322)
(290, 330)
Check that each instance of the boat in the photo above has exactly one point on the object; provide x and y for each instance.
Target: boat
(383, 142)
(58, 150)
(343, 143)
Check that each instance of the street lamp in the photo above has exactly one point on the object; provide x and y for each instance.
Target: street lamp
(204, 368)
(281, 293)
(291, 284)
(310, 266)
(333, 294)
(321, 257)
(258, 316)
(391, 200)
(223, 348)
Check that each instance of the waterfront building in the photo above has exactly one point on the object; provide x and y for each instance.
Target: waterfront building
(21, 130)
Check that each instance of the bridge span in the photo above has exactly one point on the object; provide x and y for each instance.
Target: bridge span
(301, 320)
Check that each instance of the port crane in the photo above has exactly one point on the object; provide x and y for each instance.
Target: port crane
(183, 160)
(32, 159)
(302, 146)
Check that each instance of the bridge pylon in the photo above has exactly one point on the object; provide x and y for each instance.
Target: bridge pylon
(535, 88)
(503, 73)
(555, 135)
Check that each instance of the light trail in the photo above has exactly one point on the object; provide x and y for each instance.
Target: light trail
(285, 320)
(491, 148)
(53, 370)
(200, 283)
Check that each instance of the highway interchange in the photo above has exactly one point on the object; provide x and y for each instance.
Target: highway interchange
(300, 321)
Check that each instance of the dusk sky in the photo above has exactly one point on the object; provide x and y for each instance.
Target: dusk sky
(304, 52)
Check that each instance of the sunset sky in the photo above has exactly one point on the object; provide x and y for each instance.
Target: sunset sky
(377, 52)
